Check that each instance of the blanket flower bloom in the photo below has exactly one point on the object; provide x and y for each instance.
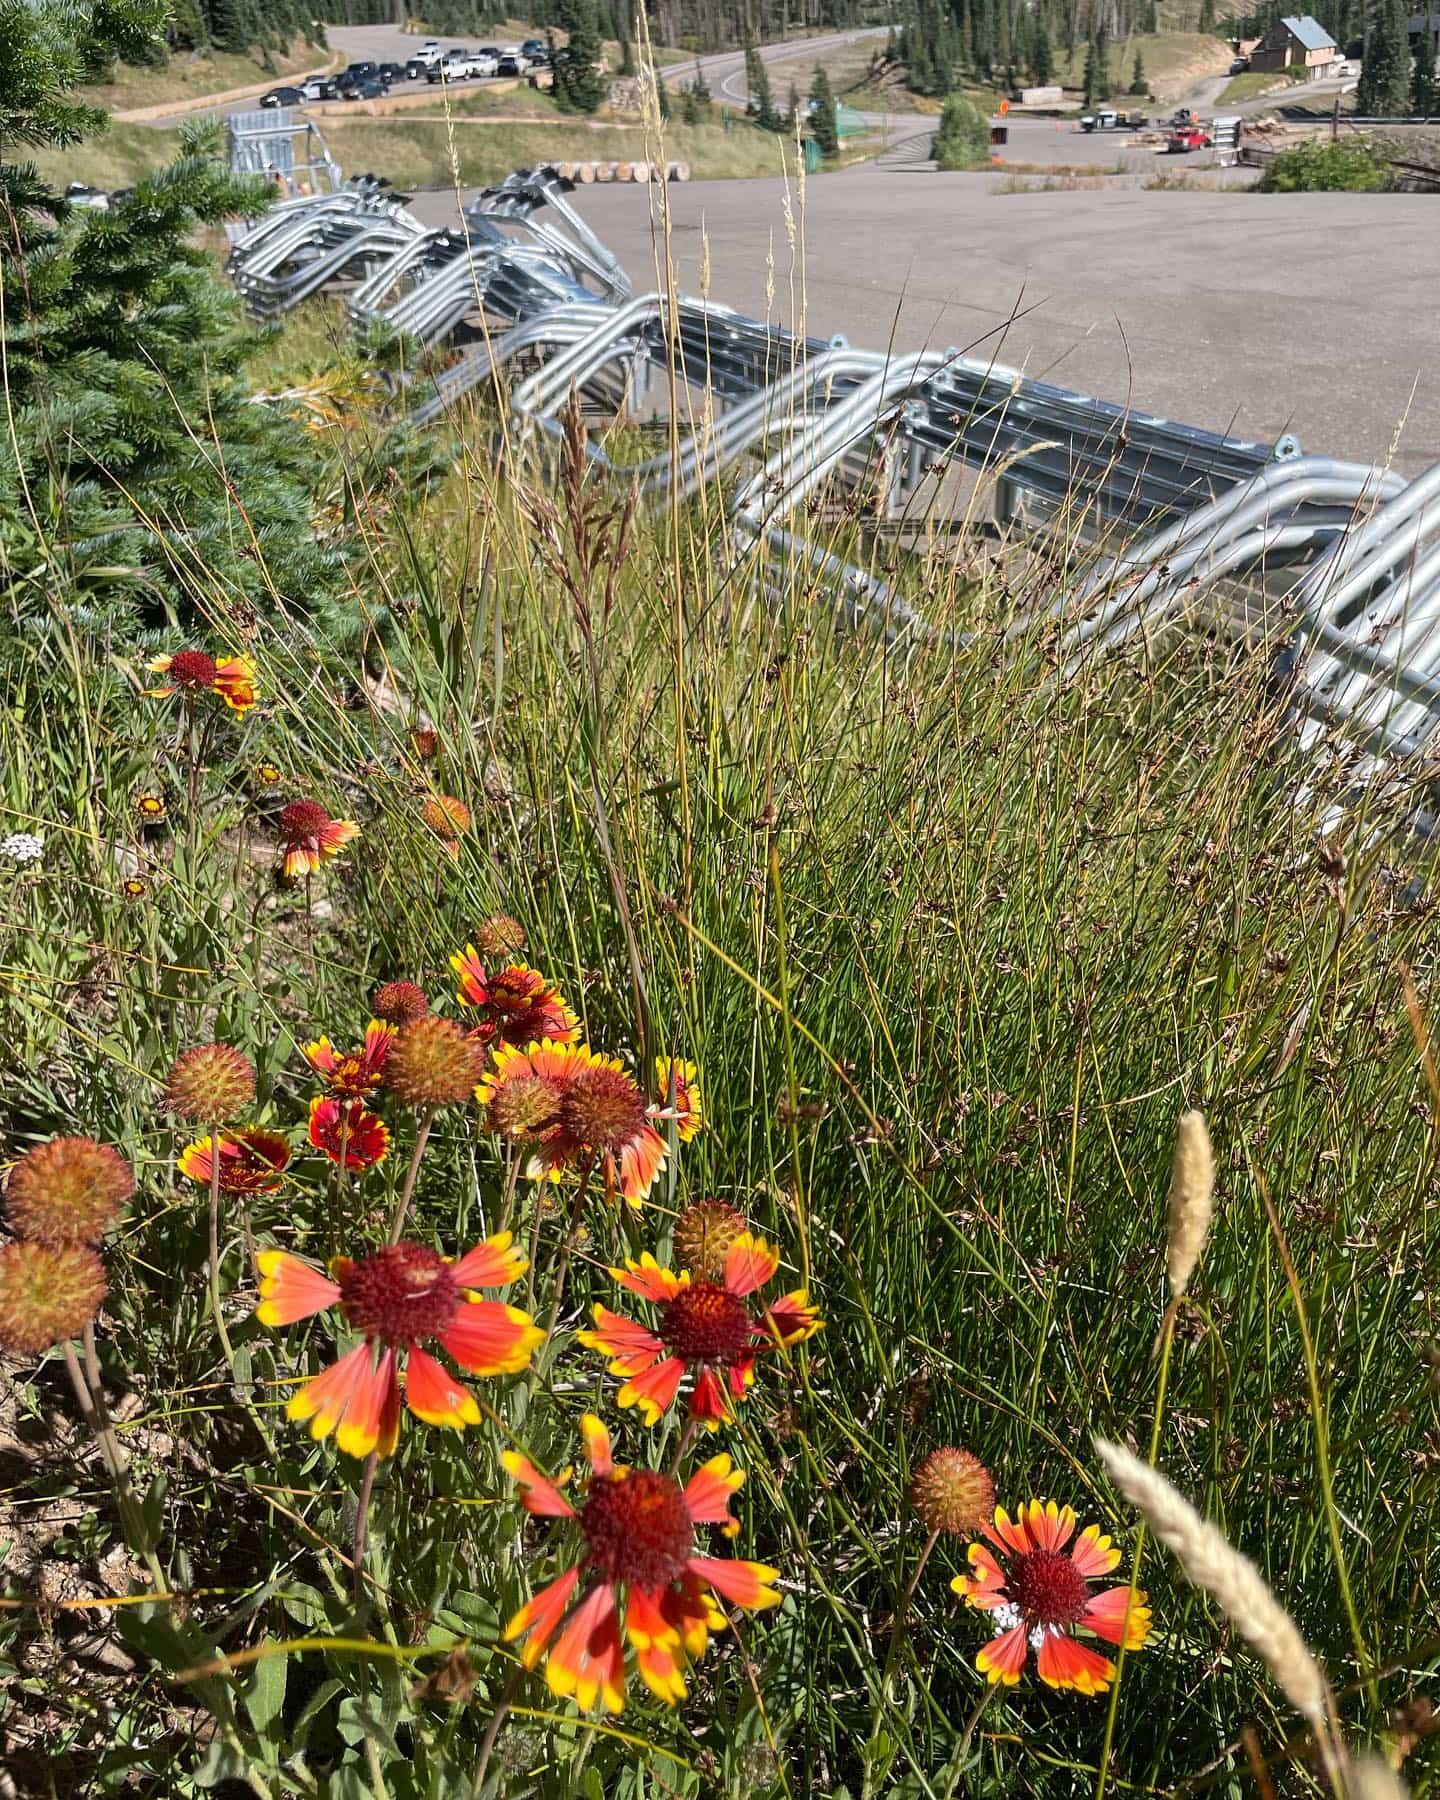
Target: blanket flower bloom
(309, 836)
(679, 1084)
(704, 1328)
(193, 672)
(345, 1128)
(639, 1573)
(1037, 1592)
(357, 1072)
(396, 1300)
(252, 1160)
(517, 1004)
(579, 1110)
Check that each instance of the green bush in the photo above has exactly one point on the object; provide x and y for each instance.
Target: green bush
(1355, 167)
(963, 140)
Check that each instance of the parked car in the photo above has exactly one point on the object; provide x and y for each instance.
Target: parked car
(283, 96)
(318, 87)
(1240, 65)
(1185, 138)
(357, 71)
(515, 51)
(510, 64)
(80, 193)
(369, 87)
(1105, 120)
(390, 72)
(429, 52)
(535, 47)
(415, 68)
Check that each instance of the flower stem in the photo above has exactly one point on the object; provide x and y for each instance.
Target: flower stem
(397, 1224)
(1167, 1341)
(562, 1268)
(93, 1411)
(991, 1690)
(512, 1177)
(362, 1526)
(492, 1730)
(897, 1630)
(215, 1311)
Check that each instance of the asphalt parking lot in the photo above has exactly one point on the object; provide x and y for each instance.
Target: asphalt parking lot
(1256, 313)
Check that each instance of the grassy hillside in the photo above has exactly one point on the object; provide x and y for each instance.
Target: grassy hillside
(1174, 62)
(428, 153)
(190, 75)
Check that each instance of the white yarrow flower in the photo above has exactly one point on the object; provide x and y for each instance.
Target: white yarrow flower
(22, 847)
(1005, 1616)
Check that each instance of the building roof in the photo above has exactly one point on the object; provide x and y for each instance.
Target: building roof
(1309, 32)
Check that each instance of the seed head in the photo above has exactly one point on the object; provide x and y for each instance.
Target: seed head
(637, 1528)
(49, 1293)
(1211, 1562)
(704, 1233)
(210, 1085)
(519, 1106)
(602, 1107)
(67, 1191)
(446, 816)
(953, 1491)
(499, 937)
(1192, 1196)
(399, 1002)
(433, 1063)
(425, 742)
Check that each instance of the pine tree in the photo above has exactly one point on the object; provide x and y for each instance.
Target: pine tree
(823, 120)
(138, 471)
(1042, 62)
(700, 87)
(1090, 82)
(1385, 72)
(1138, 83)
(627, 49)
(1424, 90)
(762, 101)
(792, 107)
(579, 82)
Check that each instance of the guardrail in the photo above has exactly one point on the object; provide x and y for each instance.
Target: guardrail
(1356, 549)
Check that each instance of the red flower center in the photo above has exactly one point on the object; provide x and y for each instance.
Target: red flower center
(637, 1528)
(303, 820)
(191, 669)
(602, 1109)
(401, 1294)
(706, 1323)
(1048, 1588)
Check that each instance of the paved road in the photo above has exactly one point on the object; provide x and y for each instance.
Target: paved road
(1258, 313)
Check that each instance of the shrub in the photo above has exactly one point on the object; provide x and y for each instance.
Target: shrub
(1356, 167)
(963, 140)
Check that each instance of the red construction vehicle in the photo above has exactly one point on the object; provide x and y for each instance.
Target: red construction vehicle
(1184, 138)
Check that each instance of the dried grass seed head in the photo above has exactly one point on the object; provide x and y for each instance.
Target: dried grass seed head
(1192, 1199)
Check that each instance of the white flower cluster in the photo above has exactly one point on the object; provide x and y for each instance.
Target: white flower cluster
(22, 847)
(1005, 1616)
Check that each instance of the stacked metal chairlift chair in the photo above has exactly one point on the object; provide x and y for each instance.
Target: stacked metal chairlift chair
(1193, 508)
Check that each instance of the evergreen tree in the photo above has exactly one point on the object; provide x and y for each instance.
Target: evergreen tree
(627, 49)
(1138, 83)
(792, 107)
(1042, 61)
(1090, 82)
(823, 121)
(1385, 72)
(762, 101)
(1102, 59)
(1207, 15)
(138, 471)
(690, 110)
(700, 87)
(1424, 90)
(579, 79)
